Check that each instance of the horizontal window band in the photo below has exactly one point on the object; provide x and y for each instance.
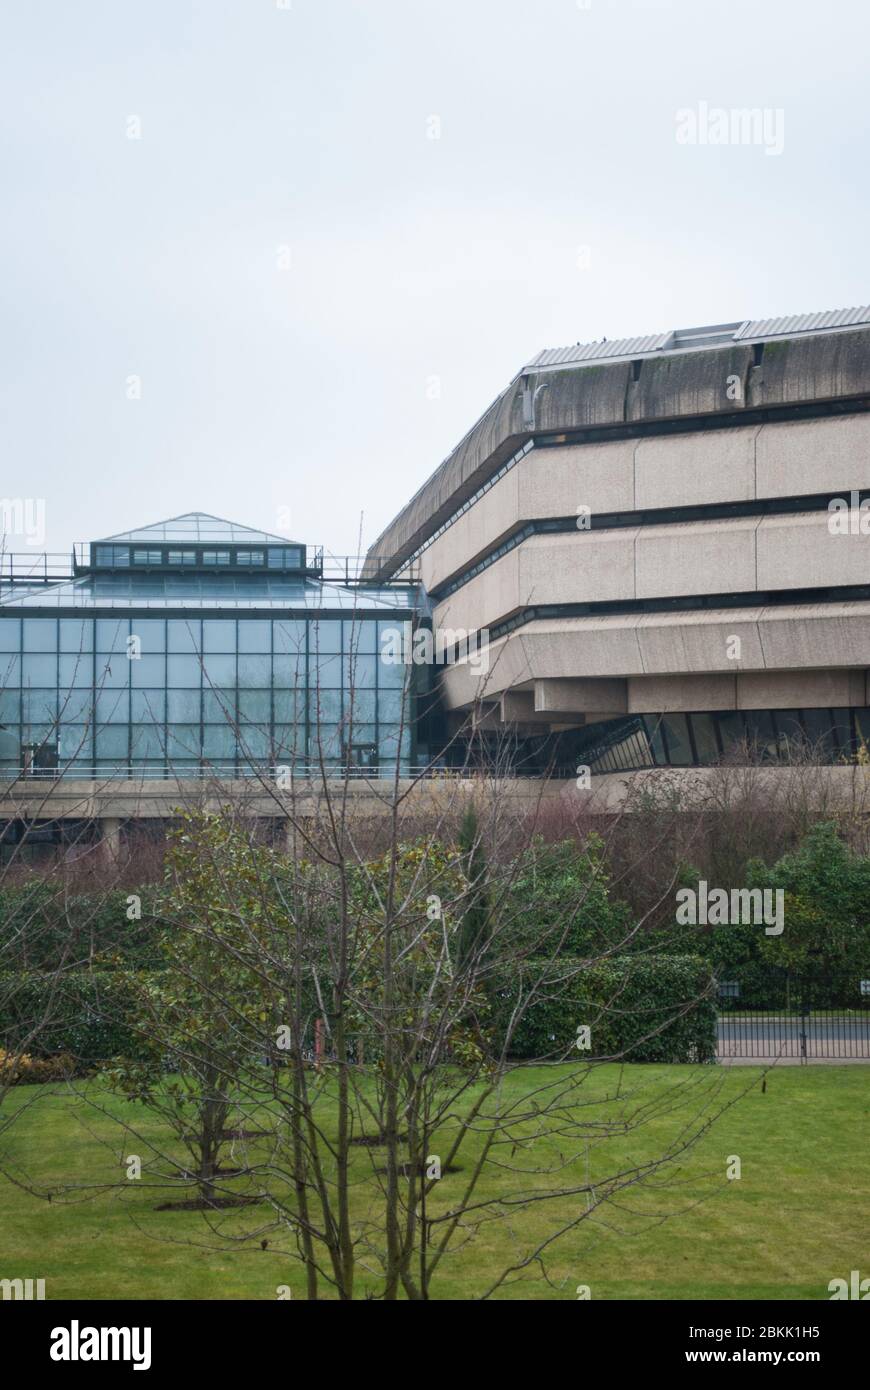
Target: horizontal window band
(770, 598)
(650, 429)
(653, 516)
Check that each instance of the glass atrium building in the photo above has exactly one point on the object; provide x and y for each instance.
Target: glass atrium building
(200, 644)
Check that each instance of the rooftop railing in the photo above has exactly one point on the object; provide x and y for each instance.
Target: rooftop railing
(53, 567)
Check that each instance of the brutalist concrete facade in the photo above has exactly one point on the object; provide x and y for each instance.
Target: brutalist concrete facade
(649, 531)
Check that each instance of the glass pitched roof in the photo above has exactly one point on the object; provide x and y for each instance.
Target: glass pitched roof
(199, 528)
(234, 591)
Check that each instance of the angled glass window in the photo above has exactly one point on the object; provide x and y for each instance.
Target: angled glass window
(146, 557)
(215, 557)
(250, 557)
(181, 557)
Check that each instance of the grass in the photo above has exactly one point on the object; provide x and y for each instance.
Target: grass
(797, 1217)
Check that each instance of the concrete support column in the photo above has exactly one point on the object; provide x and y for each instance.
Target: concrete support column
(109, 845)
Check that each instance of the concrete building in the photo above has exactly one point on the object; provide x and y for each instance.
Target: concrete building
(662, 546)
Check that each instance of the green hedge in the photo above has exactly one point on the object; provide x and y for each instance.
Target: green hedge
(40, 924)
(88, 1014)
(640, 1008)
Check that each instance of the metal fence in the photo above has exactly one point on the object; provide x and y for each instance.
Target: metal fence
(807, 1019)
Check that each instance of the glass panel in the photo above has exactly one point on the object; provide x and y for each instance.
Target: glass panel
(288, 706)
(359, 672)
(255, 673)
(390, 704)
(147, 741)
(148, 706)
(289, 671)
(112, 743)
(151, 633)
(760, 733)
(288, 636)
(325, 738)
(10, 706)
(250, 557)
(255, 635)
(254, 743)
(182, 741)
(215, 557)
(218, 706)
(112, 672)
(40, 635)
(705, 737)
(76, 671)
(39, 670)
(324, 671)
(255, 705)
(75, 741)
(325, 636)
(219, 670)
(39, 706)
(112, 634)
(289, 740)
(818, 726)
(183, 635)
(219, 741)
(843, 736)
(677, 736)
(147, 557)
(77, 634)
(112, 707)
(148, 671)
(182, 706)
(75, 706)
(324, 705)
(184, 671)
(10, 634)
(182, 557)
(10, 669)
(731, 732)
(360, 636)
(218, 635)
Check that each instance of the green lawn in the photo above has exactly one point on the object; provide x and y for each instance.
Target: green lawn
(798, 1217)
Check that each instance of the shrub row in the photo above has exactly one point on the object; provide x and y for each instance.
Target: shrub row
(643, 1008)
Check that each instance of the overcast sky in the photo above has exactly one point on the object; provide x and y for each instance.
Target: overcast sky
(317, 297)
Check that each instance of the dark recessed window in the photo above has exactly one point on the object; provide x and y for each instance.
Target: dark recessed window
(215, 557)
(112, 555)
(285, 557)
(182, 557)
